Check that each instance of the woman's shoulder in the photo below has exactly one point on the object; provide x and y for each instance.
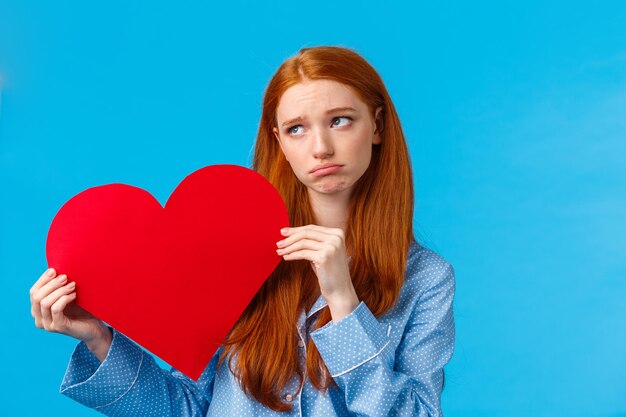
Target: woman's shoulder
(426, 269)
(429, 283)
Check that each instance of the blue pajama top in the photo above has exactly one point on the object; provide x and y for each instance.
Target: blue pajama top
(391, 365)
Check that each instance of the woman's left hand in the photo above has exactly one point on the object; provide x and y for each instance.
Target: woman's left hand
(325, 248)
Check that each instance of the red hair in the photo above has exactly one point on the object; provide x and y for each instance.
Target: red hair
(379, 232)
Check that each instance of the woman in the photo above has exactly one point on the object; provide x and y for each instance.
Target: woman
(358, 318)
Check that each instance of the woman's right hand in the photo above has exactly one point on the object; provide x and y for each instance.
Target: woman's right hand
(53, 309)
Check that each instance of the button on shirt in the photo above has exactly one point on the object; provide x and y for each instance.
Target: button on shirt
(390, 365)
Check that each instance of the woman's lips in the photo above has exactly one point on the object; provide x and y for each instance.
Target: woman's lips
(325, 171)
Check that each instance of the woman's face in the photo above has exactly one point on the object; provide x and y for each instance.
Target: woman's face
(324, 122)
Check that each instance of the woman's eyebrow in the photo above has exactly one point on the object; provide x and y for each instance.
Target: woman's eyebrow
(336, 109)
(333, 110)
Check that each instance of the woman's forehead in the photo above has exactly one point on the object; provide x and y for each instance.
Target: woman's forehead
(317, 96)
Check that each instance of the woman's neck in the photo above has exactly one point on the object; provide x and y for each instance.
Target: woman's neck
(330, 210)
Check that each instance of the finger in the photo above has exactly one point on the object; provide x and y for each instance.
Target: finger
(42, 293)
(58, 318)
(43, 279)
(49, 300)
(311, 234)
(50, 286)
(36, 313)
(329, 230)
(302, 254)
(300, 245)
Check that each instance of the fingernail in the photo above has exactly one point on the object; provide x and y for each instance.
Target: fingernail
(50, 272)
(285, 230)
(62, 278)
(72, 284)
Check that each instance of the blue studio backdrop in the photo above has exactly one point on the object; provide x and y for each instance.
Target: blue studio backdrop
(515, 114)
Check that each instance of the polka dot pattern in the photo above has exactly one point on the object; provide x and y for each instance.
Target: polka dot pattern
(391, 365)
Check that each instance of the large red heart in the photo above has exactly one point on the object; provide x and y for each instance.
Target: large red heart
(173, 279)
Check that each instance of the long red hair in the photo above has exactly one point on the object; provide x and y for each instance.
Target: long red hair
(262, 345)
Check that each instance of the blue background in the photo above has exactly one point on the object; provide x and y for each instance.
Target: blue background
(515, 113)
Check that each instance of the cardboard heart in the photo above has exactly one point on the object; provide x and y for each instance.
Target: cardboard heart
(173, 279)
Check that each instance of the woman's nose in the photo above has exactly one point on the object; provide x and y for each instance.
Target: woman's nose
(322, 145)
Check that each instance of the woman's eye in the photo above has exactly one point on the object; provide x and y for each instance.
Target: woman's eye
(338, 119)
(292, 129)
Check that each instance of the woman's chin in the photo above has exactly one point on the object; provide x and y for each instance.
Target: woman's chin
(329, 187)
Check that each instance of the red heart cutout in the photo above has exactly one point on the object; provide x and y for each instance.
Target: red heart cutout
(173, 279)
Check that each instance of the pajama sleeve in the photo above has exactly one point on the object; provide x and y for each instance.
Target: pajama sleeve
(129, 382)
(375, 379)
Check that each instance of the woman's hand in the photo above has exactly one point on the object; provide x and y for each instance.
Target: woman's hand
(52, 307)
(325, 248)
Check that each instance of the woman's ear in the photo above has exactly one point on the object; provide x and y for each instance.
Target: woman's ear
(379, 122)
(275, 131)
